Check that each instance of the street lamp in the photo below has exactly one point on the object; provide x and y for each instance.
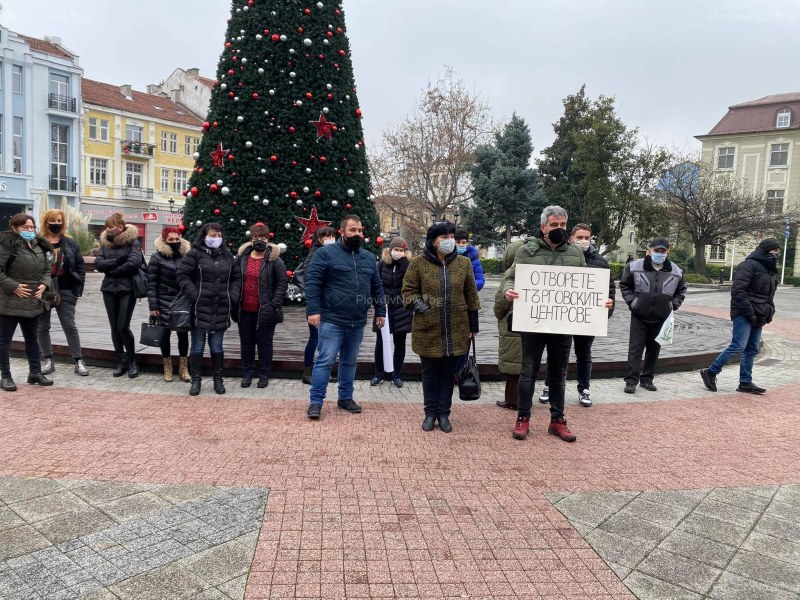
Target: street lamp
(172, 208)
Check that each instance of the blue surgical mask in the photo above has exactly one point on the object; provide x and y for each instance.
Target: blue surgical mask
(658, 257)
(214, 242)
(28, 236)
(461, 249)
(447, 246)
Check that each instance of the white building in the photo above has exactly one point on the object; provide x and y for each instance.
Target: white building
(188, 88)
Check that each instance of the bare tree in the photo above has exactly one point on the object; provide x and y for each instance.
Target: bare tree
(426, 159)
(714, 208)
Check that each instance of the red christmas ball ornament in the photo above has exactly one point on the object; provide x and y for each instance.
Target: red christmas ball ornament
(181, 227)
(330, 96)
(236, 204)
(231, 71)
(307, 11)
(199, 169)
(307, 243)
(337, 12)
(255, 95)
(217, 211)
(379, 241)
(273, 158)
(275, 37)
(300, 30)
(291, 129)
(271, 235)
(322, 159)
(230, 156)
(358, 113)
(341, 53)
(293, 195)
(317, 194)
(231, 94)
(234, 59)
(215, 124)
(338, 30)
(330, 34)
(213, 187)
(294, 163)
(336, 66)
(195, 192)
(348, 205)
(290, 273)
(308, 95)
(206, 125)
(250, 3)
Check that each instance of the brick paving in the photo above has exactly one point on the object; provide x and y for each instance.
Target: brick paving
(370, 506)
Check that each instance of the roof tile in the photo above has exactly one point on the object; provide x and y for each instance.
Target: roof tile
(45, 46)
(757, 116)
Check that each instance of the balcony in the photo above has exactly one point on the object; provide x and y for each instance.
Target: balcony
(136, 148)
(68, 184)
(135, 193)
(65, 103)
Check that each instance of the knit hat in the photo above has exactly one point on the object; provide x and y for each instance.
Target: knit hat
(398, 242)
(769, 244)
(167, 230)
(659, 243)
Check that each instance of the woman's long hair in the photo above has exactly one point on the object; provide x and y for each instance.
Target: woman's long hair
(50, 215)
(19, 219)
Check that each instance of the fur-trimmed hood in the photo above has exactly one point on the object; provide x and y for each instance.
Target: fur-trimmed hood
(161, 246)
(247, 248)
(386, 255)
(128, 235)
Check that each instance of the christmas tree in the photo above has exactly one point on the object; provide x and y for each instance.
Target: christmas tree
(283, 142)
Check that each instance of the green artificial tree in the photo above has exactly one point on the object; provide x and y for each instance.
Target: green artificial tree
(283, 142)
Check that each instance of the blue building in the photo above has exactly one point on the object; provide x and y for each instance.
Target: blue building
(40, 141)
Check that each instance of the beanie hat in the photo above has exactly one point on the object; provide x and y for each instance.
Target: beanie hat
(167, 230)
(398, 242)
(769, 244)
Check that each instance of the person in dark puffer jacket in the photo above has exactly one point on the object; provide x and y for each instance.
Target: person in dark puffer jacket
(752, 306)
(206, 275)
(162, 288)
(392, 268)
(257, 299)
(119, 258)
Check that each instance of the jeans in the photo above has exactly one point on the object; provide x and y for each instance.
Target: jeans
(583, 361)
(746, 339)
(66, 316)
(336, 339)
(399, 340)
(251, 337)
(119, 308)
(311, 346)
(29, 325)
(199, 341)
(642, 338)
(183, 344)
(438, 382)
(558, 347)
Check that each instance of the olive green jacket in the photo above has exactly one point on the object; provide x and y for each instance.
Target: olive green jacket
(30, 266)
(510, 344)
(537, 252)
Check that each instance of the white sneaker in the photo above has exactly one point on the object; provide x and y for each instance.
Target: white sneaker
(585, 400)
(80, 368)
(545, 397)
(48, 366)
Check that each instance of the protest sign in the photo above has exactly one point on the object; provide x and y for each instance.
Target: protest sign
(566, 300)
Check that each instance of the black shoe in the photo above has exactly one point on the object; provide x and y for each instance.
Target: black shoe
(39, 379)
(246, 381)
(196, 371)
(314, 411)
(377, 380)
(349, 406)
(630, 388)
(333, 378)
(133, 368)
(122, 366)
(7, 384)
(217, 362)
(428, 423)
(397, 382)
(750, 388)
(306, 378)
(649, 386)
(445, 425)
(709, 380)
(262, 382)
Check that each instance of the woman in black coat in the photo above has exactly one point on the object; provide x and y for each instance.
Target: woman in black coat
(120, 256)
(162, 288)
(392, 268)
(206, 275)
(258, 302)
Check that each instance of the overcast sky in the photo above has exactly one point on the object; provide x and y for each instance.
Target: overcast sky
(674, 66)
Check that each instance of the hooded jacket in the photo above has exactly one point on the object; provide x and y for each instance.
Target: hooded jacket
(119, 259)
(392, 273)
(535, 251)
(510, 343)
(162, 277)
(75, 265)
(272, 284)
(206, 276)
(753, 288)
(649, 293)
(471, 253)
(30, 266)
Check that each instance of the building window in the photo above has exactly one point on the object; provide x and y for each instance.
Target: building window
(98, 129)
(133, 133)
(17, 144)
(2, 167)
(58, 156)
(179, 183)
(59, 85)
(717, 253)
(784, 118)
(165, 180)
(394, 220)
(631, 238)
(775, 202)
(779, 157)
(190, 145)
(173, 143)
(133, 175)
(16, 79)
(98, 167)
(725, 158)
(163, 141)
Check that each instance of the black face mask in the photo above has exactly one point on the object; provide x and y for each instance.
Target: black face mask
(259, 245)
(54, 228)
(175, 246)
(353, 242)
(110, 236)
(557, 236)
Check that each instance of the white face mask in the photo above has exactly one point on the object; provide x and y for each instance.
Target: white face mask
(447, 246)
(398, 254)
(213, 242)
(328, 242)
(583, 244)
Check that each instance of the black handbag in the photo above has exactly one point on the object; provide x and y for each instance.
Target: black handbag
(180, 313)
(139, 282)
(469, 381)
(153, 334)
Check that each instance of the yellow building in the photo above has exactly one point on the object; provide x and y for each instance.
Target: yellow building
(138, 154)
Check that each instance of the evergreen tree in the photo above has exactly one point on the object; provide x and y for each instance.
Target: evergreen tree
(505, 187)
(283, 139)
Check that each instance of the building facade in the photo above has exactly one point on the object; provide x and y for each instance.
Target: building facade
(138, 154)
(758, 142)
(186, 87)
(40, 107)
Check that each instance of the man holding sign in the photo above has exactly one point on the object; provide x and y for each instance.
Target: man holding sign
(550, 304)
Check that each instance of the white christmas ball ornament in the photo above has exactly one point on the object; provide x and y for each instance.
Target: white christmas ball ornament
(299, 103)
(247, 233)
(307, 42)
(282, 246)
(248, 144)
(196, 155)
(263, 171)
(283, 38)
(308, 169)
(225, 191)
(188, 195)
(326, 42)
(220, 182)
(260, 71)
(287, 225)
(265, 202)
(305, 190)
(320, 5)
(198, 223)
(271, 93)
(326, 110)
(243, 222)
(350, 193)
(334, 203)
(292, 51)
(292, 74)
(256, 198)
(244, 60)
(329, 86)
(259, 37)
(240, 119)
(224, 86)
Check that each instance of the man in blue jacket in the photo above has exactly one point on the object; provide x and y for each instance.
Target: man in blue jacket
(341, 284)
(471, 252)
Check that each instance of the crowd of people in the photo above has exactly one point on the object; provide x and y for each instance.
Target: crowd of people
(433, 296)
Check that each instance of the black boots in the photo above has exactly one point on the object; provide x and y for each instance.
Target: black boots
(133, 368)
(122, 365)
(196, 371)
(39, 379)
(217, 358)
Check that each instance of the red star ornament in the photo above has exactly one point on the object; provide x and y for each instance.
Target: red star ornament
(324, 127)
(219, 155)
(311, 224)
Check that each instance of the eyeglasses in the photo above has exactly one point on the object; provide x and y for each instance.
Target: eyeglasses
(27, 227)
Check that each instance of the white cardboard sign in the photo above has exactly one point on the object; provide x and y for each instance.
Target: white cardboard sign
(565, 300)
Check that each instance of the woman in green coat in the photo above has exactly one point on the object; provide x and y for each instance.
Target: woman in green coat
(510, 344)
(24, 281)
(439, 287)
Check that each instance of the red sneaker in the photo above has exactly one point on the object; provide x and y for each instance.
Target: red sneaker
(559, 428)
(521, 428)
